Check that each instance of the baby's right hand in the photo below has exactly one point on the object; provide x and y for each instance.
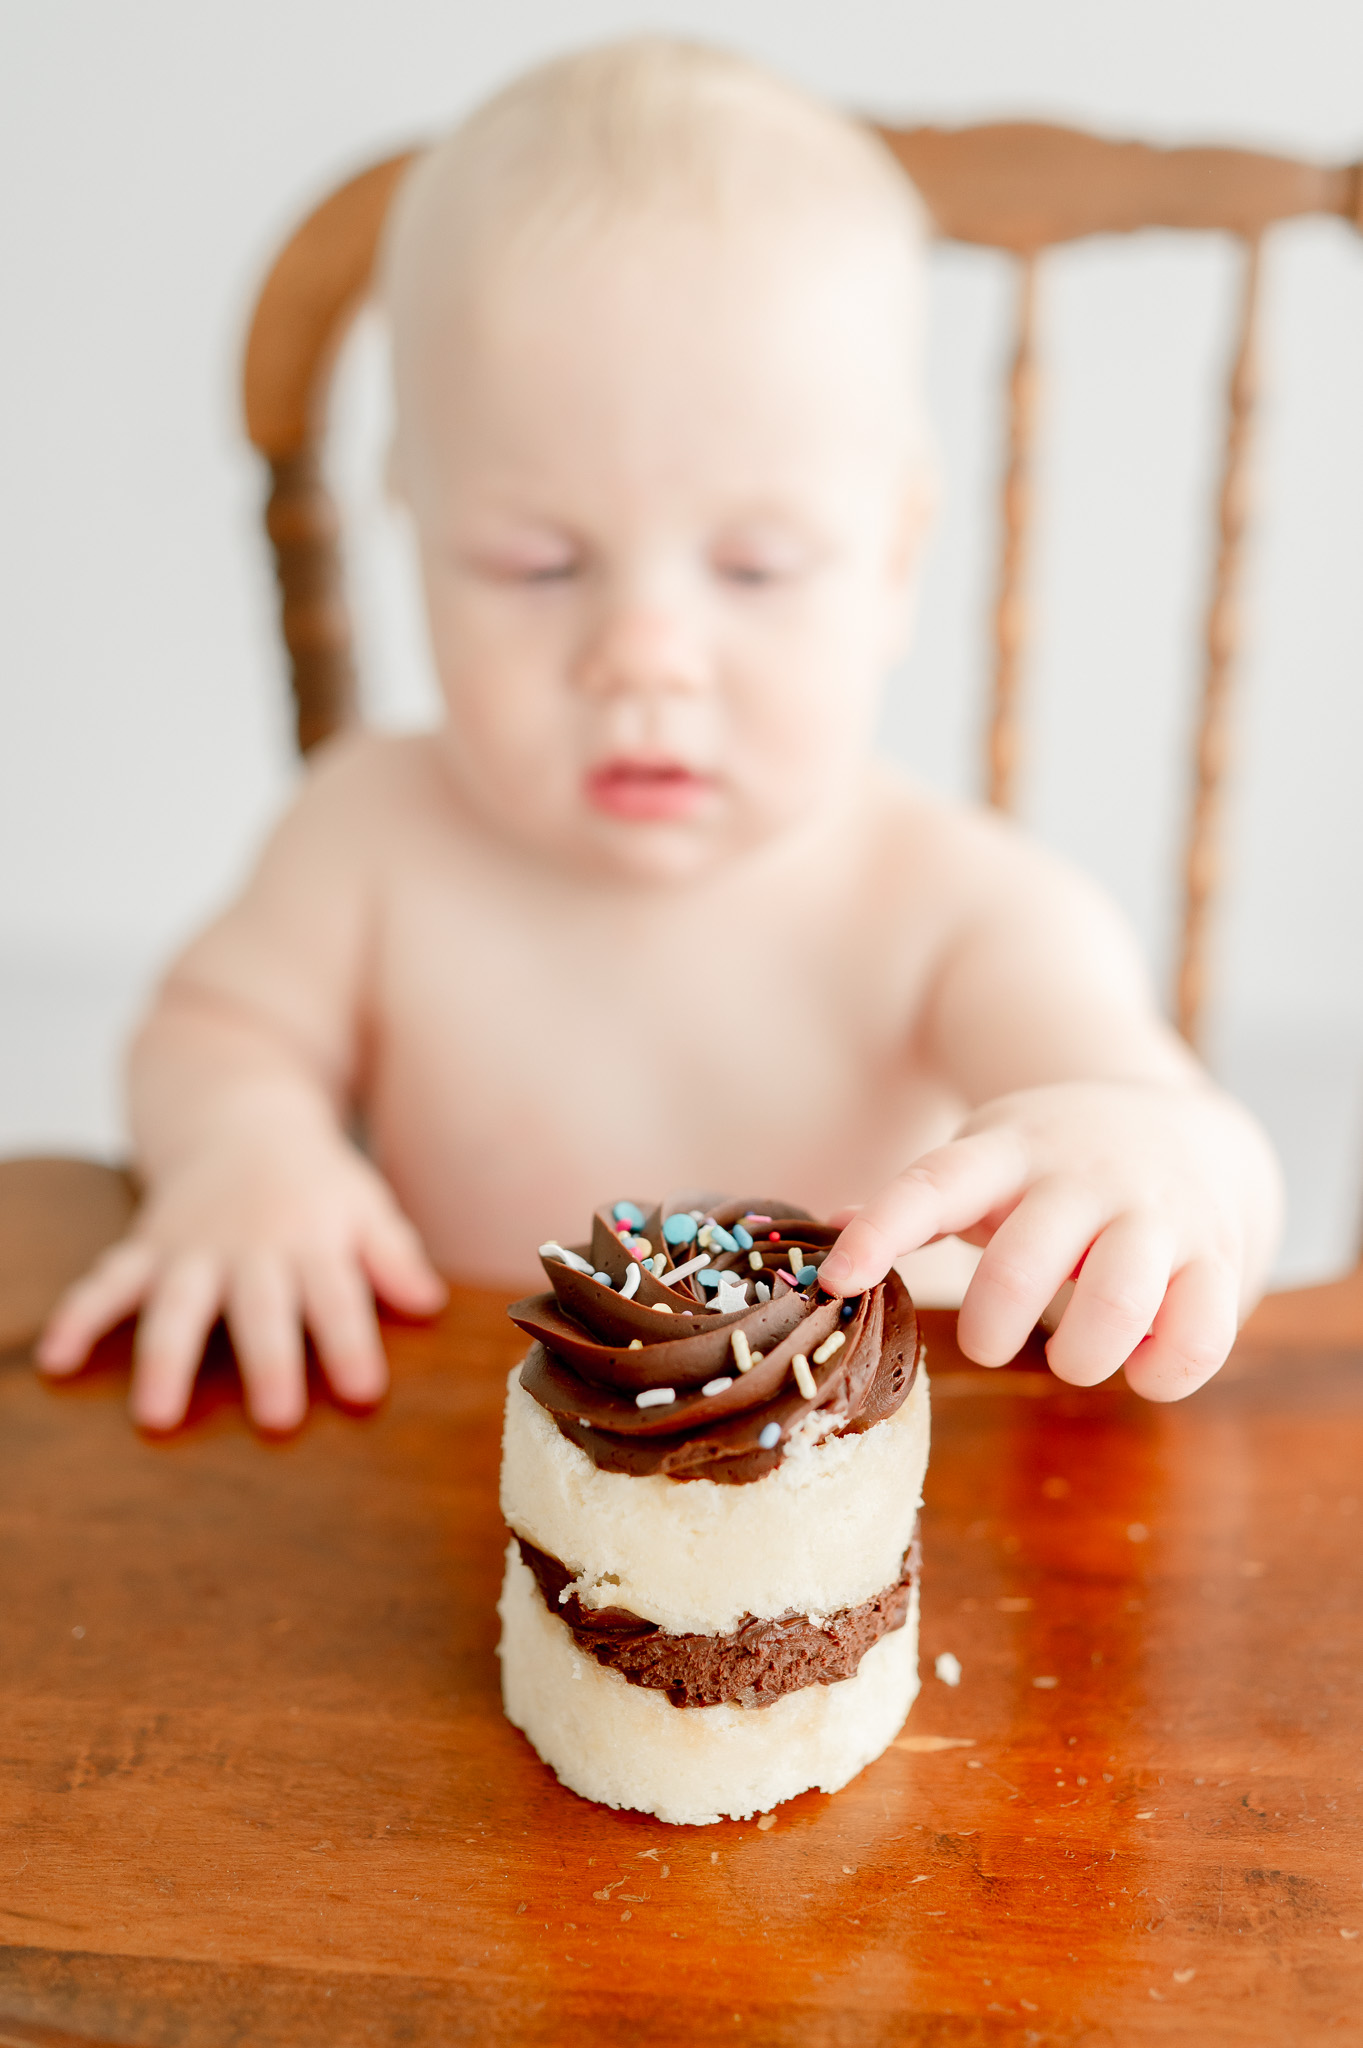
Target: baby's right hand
(277, 1237)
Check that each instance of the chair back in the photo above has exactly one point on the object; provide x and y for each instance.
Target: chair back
(1019, 187)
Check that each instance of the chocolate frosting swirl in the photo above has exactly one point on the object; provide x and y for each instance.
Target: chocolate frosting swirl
(597, 1348)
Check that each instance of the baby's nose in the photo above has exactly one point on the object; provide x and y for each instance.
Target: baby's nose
(638, 649)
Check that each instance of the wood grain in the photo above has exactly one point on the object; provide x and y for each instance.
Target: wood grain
(255, 1784)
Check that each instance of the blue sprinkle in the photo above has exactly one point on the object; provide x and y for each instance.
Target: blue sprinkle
(849, 1309)
(679, 1229)
(770, 1437)
(720, 1236)
(604, 1278)
(807, 1275)
(708, 1278)
(742, 1238)
(629, 1212)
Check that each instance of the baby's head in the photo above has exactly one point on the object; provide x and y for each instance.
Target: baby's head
(655, 344)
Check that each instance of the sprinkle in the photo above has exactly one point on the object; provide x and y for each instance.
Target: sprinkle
(797, 1259)
(731, 1295)
(604, 1278)
(691, 1266)
(753, 1217)
(807, 1275)
(804, 1378)
(829, 1346)
(703, 1236)
(773, 1237)
(585, 1425)
(789, 1278)
(629, 1286)
(717, 1386)
(697, 1215)
(641, 1247)
(742, 1350)
(655, 1397)
(742, 1238)
(679, 1229)
(710, 1279)
(847, 1311)
(762, 1291)
(657, 1265)
(556, 1251)
(720, 1236)
(636, 1343)
(661, 1308)
(629, 1212)
(948, 1668)
(770, 1437)
(755, 1261)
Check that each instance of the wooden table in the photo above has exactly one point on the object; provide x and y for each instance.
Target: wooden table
(255, 1785)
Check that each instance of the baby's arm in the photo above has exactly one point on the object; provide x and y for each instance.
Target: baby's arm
(257, 1206)
(1097, 1150)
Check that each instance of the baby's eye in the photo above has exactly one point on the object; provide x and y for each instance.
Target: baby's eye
(759, 562)
(530, 560)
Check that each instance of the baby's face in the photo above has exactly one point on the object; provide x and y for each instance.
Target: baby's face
(667, 525)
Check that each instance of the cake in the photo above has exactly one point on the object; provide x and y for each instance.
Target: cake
(711, 1471)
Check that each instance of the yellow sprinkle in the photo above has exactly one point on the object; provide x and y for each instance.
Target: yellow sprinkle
(797, 1260)
(742, 1354)
(804, 1378)
(643, 1248)
(703, 1237)
(636, 1343)
(829, 1346)
(661, 1308)
(755, 1261)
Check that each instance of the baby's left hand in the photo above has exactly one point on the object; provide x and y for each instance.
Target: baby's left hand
(1158, 1199)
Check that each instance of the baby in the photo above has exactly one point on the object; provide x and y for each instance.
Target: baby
(644, 913)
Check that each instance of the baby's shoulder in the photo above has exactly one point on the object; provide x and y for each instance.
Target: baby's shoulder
(951, 850)
(370, 790)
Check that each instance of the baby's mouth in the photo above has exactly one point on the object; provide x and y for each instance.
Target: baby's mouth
(647, 789)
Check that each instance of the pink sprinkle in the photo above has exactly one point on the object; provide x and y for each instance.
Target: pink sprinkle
(789, 1278)
(753, 1217)
(774, 1237)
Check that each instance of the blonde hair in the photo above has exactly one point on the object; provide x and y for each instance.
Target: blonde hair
(649, 126)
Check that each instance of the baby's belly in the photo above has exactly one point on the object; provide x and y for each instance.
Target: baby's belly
(495, 1139)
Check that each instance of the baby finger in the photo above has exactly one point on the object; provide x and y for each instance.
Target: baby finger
(170, 1339)
(263, 1317)
(1027, 1260)
(945, 1191)
(339, 1309)
(1193, 1333)
(1116, 1298)
(97, 1303)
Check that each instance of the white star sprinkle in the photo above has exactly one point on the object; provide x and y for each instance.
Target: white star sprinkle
(731, 1295)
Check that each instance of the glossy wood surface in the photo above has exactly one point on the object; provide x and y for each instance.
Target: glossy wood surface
(256, 1787)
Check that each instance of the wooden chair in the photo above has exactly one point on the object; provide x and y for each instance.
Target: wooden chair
(1019, 187)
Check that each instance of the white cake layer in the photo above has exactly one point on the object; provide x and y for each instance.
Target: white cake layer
(826, 1530)
(625, 1745)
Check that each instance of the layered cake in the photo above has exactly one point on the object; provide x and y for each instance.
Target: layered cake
(712, 1472)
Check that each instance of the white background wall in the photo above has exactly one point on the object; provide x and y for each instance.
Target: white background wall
(153, 156)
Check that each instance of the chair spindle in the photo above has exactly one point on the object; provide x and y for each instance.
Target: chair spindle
(1010, 610)
(1204, 850)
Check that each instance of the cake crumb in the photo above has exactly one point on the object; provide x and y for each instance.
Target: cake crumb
(948, 1668)
(768, 1820)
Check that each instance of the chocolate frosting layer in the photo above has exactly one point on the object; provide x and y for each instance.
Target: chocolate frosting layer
(597, 1349)
(757, 1664)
